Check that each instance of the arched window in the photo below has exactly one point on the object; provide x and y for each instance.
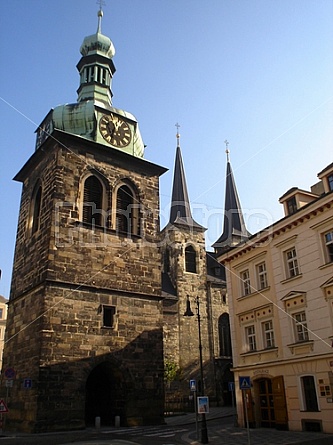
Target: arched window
(190, 259)
(36, 208)
(127, 214)
(92, 212)
(224, 336)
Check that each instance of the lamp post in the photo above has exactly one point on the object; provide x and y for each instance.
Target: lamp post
(189, 313)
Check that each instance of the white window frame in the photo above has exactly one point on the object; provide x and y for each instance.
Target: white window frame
(292, 267)
(250, 338)
(328, 242)
(245, 282)
(301, 332)
(268, 336)
(261, 270)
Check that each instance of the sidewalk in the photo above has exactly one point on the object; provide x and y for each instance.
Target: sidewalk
(228, 434)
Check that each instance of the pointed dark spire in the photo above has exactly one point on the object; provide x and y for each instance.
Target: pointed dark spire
(234, 229)
(180, 212)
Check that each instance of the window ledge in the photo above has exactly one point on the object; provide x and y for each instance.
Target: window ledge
(85, 225)
(323, 266)
(287, 280)
(259, 352)
(301, 347)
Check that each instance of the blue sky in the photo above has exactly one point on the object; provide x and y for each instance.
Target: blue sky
(255, 72)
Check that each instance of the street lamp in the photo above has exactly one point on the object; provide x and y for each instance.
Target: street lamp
(189, 313)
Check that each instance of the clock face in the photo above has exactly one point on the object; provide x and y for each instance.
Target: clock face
(115, 130)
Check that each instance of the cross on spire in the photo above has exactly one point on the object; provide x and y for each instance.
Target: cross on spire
(101, 3)
(178, 135)
(227, 149)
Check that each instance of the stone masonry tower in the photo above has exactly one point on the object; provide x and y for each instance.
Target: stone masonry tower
(85, 314)
(185, 278)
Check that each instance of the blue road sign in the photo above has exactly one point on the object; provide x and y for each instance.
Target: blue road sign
(231, 386)
(244, 382)
(193, 385)
(27, 383)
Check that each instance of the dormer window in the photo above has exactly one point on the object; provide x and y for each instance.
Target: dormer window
(330, 182)
(292, 206)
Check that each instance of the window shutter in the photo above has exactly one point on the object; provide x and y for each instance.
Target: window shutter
(92, 201)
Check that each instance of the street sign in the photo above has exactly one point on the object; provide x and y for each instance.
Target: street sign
(193, 385)
(3, 407)
(231, 386)
(27, 383)
(10, 373)
(8, 383)
(244, 382)
(203, 405)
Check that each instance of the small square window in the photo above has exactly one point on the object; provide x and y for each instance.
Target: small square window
(1, 312)
(108, 316)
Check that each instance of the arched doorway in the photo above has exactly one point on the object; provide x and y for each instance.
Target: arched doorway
(105, 395)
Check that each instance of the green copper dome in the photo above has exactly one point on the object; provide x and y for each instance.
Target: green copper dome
(98, 43)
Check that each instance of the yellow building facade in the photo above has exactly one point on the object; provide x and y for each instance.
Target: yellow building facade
(280, 291)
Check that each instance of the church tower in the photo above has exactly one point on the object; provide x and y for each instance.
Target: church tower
(234, 229)
(190, 275)
(85, 315)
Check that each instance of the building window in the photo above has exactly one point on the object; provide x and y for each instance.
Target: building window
(127, 215)
(268, 334)
(301, 330)
(262, 276)
(309, 393)
(167, 260)
(92, 201)
(224, 336)
(109, 316)
(190, 259)
(246, 285)
(291, 205)
(330, 182)
(36, 208)
(251, 338)
(329, 245)
(292, 263)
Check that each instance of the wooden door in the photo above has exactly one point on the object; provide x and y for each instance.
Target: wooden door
(280, 404)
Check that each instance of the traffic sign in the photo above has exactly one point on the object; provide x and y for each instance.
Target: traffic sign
(3, 407)
(231, 386)
(27, 383)
(193, 385)
(10, 373)
(244, 382)
(8, 383)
